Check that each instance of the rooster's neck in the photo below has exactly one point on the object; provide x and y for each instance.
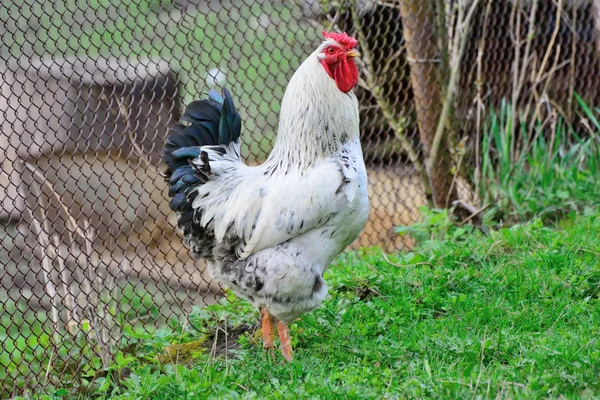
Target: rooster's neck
(316, 118)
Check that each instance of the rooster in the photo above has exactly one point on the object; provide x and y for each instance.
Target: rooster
(269, 232)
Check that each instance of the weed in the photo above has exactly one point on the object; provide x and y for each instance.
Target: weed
(540, 171)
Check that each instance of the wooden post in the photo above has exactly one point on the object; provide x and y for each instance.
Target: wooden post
(596, 7)
(418, 22)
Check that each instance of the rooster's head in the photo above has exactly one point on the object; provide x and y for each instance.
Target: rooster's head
(337, 57)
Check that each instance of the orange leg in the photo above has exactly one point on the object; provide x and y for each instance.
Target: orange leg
(284, 339)
(267, 328)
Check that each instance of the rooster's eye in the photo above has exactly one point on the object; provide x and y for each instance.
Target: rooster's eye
(330, 50)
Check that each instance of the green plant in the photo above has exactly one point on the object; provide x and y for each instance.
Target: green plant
(436, 226)
(540, 170)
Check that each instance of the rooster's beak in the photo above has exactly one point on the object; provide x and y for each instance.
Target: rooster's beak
(353, 53)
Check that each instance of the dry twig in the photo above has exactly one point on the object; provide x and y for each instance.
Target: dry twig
(458, 49)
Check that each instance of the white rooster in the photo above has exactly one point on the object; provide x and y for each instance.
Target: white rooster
(269, 232)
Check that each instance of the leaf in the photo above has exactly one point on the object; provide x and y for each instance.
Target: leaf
(413, 258)
(61, 392)
(128, 331)
(428, 370)
(589, 211)
(469, 369)
(459, 232)
(403, 230)
(588, 112)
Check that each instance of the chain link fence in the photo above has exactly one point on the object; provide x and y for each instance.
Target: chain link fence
(89, 89)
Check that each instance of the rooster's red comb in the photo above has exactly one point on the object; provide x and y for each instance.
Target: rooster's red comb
(342, 38)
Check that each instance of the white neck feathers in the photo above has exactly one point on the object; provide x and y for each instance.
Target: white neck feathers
(316, 118)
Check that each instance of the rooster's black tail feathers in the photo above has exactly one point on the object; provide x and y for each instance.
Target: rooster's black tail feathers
(207, 122)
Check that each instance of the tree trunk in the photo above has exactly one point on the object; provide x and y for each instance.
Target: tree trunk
(418, 21)
(596, 8)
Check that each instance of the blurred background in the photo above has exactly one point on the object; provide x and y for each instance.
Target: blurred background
(458, 98)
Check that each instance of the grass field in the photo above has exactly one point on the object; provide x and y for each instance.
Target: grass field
(515, 314)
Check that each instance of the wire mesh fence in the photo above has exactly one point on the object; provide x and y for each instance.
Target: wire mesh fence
(89, 89)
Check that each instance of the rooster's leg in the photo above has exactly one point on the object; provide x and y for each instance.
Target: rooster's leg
(284, 338)
(267, 328)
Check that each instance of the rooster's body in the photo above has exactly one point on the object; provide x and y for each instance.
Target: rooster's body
(269, 232)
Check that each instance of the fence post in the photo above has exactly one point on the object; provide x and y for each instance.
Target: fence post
(418, 22)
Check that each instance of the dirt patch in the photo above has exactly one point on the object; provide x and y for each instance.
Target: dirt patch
(394, 195)
(362, 290)
(226, 339)
(217, 343)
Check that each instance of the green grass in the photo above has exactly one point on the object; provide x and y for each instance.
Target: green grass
(546, 170)
(515, 314)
